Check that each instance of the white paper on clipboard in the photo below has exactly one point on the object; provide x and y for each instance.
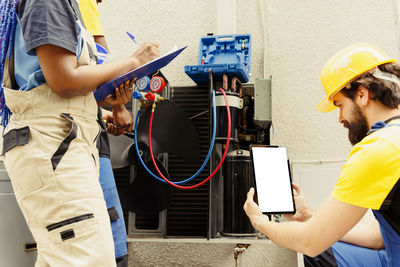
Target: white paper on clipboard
(272, 176)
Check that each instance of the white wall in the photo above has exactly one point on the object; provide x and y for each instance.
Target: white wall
(301, 36)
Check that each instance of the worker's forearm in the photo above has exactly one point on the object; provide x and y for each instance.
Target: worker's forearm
(365, 235)
(67, 79)
(285, 234)
(309, 214)
(294, 235)
(86, 78)
(315, 235)
(106, 115)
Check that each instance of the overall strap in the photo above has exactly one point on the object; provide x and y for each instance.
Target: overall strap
(9, 78)
(383, 124)
(392, 118)
(391, 239)
(75, 7)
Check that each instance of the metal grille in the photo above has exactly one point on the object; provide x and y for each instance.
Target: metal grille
(122, 178)
(188, 212)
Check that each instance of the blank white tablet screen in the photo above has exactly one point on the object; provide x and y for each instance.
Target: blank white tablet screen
(272, 175)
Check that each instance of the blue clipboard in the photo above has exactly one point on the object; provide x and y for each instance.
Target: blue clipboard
(107, 88)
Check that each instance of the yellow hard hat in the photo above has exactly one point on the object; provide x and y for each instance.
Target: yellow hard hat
(347, 65)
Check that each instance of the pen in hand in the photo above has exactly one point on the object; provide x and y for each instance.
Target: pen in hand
(132, 37)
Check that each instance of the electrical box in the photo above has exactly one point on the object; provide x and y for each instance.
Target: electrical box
(262, 101)
(224, 54)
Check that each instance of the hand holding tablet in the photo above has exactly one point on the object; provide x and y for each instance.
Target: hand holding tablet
(273, 183)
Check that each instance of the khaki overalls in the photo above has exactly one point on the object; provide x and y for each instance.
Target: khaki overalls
(52, 160)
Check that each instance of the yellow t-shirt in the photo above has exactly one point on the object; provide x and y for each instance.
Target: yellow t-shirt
(372, 169)
(91, 18)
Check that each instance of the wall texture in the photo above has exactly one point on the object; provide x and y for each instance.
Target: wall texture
(291, 42)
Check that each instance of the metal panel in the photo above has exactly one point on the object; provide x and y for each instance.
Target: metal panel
(5, 184)
(14, 232)
(262, 100)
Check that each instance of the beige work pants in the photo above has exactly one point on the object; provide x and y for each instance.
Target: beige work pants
(52, 161)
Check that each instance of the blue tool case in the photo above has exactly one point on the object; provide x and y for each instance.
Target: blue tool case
(224, 54)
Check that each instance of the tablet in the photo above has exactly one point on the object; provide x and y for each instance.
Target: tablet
(273, 181)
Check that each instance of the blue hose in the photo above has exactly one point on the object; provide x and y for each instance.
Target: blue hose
(209, 151)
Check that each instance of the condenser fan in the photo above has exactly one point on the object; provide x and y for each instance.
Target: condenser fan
(119, 150)
(145, 195)
(172, 132)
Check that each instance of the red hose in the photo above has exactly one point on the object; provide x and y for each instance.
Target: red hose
(216, 169)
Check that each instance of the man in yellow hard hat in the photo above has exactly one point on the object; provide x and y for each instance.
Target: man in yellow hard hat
(364, 83)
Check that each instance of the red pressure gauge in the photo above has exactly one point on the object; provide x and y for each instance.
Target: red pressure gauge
(157, 84)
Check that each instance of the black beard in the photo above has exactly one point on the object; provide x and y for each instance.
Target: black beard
(358, 128)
